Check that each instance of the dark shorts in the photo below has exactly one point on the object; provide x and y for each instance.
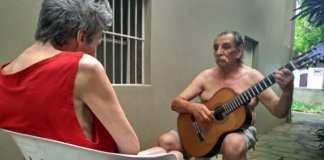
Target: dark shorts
(250, 137)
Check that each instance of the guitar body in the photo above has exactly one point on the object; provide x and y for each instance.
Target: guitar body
(213, 132)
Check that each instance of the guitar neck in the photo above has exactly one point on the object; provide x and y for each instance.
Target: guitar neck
(256, 89)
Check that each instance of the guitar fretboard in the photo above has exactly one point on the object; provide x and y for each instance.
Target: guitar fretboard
(256, 89)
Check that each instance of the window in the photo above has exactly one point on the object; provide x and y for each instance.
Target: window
(303, 80)
(249, 49)
(318, 72)
(122, 49)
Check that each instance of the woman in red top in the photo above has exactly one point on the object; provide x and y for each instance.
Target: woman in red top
(54, 90)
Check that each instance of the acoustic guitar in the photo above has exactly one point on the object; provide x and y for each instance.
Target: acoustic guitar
(204, 139)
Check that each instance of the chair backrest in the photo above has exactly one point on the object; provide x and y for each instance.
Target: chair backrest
(37, 148)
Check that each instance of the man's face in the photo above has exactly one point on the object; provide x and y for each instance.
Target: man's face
(225, 51)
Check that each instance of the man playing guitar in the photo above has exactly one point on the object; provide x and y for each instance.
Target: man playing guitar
(230, 73)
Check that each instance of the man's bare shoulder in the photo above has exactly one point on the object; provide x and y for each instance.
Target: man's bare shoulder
(252, 73)
(202, 77)
(207, 72)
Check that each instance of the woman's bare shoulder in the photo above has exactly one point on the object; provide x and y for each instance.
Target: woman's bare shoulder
(89, 63)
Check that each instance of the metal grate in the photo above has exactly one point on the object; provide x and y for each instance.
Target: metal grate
(122, 49)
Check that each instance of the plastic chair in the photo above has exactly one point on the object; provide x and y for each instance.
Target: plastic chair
(37, 148)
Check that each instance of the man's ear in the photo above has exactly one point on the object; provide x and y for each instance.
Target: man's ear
(240, 51)
(81, 36)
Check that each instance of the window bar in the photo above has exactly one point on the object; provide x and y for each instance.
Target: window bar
(121, 42)
(113, 46)
(128, 44)
(143, 41)
(135, 52)
(125, 36)
(104, 51)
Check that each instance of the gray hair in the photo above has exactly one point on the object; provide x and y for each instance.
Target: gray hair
(62, 19)
(238, 41)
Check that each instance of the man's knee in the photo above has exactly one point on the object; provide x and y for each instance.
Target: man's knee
(169, 142)
(234, 144)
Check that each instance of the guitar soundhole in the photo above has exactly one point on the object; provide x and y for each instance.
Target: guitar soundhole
(219, 114)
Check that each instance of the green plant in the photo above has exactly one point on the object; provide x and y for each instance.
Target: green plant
(320, 135)
(306, 35)
(306, 107)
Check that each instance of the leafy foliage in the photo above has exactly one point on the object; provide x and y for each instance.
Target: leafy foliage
(313, 10)
(306, 35)
(309, 24)
(306, 107)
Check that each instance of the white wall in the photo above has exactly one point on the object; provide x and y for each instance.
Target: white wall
(315, 78)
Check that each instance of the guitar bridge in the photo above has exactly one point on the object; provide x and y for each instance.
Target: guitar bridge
(197, 129)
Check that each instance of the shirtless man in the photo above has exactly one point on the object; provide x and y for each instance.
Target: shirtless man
(230, 72)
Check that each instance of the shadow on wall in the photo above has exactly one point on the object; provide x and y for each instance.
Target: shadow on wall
(8, 148)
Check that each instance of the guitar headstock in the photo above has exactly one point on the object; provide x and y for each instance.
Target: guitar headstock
(310, 58)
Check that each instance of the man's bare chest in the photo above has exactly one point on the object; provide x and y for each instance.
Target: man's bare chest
(213, 86)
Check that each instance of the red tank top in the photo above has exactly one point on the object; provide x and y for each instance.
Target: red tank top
(39, 101)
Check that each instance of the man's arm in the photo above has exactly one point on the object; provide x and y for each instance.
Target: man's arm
(279, 106)
(183, 104)
(96, 91)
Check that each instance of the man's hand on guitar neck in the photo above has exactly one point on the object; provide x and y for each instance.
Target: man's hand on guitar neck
(285, 79)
